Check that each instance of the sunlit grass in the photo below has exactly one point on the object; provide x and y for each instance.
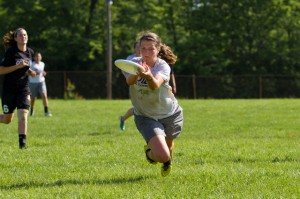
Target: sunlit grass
(228, 149)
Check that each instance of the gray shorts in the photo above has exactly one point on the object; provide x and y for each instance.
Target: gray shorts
(37, 88)
(169, 127)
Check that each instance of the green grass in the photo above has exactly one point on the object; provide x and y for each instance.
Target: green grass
(228, 149)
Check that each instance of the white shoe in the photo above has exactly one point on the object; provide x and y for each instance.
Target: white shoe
(48, 114)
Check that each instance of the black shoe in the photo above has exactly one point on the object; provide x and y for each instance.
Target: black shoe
(166, 168)
(22, 141)
(23, 146)
(146, 149)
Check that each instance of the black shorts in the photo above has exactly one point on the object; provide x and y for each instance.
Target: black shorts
(13, 100)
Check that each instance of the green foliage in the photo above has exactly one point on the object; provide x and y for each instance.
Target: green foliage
(66, 32)
(210, 37)
(228, 149)
(243, 37)
(70, 91)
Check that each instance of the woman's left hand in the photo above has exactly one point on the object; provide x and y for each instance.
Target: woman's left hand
(144, 74)
(31, 72)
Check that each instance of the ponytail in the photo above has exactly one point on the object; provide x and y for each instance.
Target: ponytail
(8, 39)
(167, 54)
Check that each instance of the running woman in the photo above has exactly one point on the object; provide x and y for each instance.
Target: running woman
(15, 68)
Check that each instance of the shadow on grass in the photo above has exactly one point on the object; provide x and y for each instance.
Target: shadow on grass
(274, 160)
(73, 182)
(100, 134)
(94, 134)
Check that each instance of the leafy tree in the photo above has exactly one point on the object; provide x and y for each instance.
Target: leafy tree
(208, 36)
(245, 37)
(66, 31)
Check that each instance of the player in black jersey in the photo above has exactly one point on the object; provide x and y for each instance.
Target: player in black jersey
(15, 68)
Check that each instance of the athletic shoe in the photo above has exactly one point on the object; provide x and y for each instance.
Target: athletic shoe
(22, 141)
(146, 149)
(166, 168)
(22, 146)
(122, 124)
(48, 114)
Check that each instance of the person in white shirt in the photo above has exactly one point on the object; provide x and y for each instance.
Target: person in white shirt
(37, 84)
(136, 51)
(129, 112)
(157, 114)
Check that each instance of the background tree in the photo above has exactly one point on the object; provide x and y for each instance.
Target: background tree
(210, 37)
(248, 37)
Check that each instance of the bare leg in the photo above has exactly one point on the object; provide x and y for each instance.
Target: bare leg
(22, 127)
(160, 151)
(170, 143)
(22, 121)
(32, 100)
(45, 99)
(128, 114)
(6, 118)
(45, 103)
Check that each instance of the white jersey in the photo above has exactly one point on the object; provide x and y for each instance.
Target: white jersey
(156, 104)
(130, 57)
(38, 68)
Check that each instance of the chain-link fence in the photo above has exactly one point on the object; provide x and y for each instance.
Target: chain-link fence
(241, 86)
(92, 85)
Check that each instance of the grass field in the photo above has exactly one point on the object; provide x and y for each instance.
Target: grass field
(228, 149)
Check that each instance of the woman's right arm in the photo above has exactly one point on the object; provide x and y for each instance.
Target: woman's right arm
(6, 70)
(131, 79)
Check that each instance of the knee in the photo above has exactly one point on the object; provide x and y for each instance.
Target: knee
(22, 118)
(163, 156)
(6, 120)
(22, 115)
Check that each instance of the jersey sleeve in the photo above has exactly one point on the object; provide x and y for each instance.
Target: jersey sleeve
(164, 70)
(31, 54)
(7, 59)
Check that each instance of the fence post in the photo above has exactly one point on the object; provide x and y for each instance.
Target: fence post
(260, 80)
(65, 82)
(194, 86)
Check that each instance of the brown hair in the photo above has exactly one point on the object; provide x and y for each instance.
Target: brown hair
(165, 52)
(9, 38)
(36, 53)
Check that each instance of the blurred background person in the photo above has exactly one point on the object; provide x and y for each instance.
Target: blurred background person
(37, 84)
(129, 112)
